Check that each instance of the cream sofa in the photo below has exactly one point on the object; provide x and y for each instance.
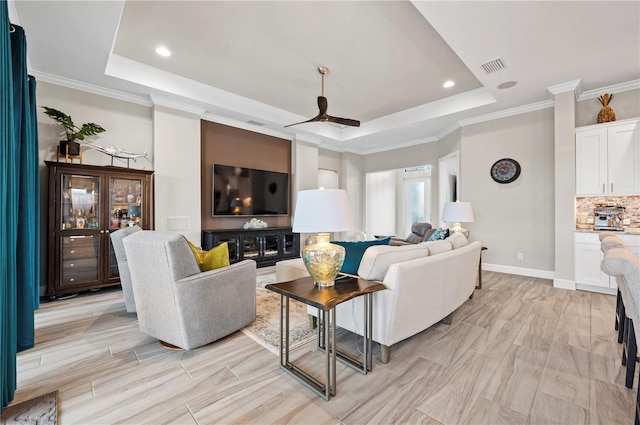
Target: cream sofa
(425, 282)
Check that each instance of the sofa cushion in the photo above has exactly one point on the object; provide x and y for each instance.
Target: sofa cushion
(439, 234)
(438, 247)
(377, 259)
(619, 262)
(458, 240)
(355, 251)
(213, 259)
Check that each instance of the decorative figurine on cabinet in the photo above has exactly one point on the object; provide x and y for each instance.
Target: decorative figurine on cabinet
(606, 114)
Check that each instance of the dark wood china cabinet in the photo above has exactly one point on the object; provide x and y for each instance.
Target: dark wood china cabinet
(86, 204)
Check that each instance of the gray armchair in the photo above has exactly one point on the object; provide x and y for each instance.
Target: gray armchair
(177, 303)
(123, 266)
(420, 232)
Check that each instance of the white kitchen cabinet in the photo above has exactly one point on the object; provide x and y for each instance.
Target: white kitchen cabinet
(588, 256)
(608, 159)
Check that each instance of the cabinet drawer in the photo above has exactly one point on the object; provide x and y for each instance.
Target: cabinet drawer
(78, 241)
(90, 263)
(79, 276)
(71, 252)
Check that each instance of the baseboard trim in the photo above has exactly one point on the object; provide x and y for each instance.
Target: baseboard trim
(600, 289)
(564, 284)
(520, 271)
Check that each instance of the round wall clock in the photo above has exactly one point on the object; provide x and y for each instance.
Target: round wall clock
(505, 170)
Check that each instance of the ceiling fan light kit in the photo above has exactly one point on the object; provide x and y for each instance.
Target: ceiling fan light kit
(322, 107)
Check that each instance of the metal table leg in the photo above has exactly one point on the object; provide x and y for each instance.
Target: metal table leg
(328, 388)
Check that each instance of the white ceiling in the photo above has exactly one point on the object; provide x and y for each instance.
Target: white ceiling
(241, 61)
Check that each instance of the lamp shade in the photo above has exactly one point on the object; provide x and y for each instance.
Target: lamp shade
(322, 210)
(457, 212)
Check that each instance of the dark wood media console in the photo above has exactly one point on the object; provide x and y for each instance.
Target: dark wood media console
(265, 246)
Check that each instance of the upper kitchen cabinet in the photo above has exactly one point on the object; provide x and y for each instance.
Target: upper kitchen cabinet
(608, 159)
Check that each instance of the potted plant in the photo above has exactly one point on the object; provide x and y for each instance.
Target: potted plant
(72, 131)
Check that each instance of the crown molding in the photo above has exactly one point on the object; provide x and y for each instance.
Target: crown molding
(399, 145)
(91, 88)
(507, 113)
(447, 131)
(174, 104)
(575, 86)
(616, 88)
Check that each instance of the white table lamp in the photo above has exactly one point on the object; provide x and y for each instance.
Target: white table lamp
(458, 213)
(322, 211)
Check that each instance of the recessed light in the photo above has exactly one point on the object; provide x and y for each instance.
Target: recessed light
(507, 84)
(163, 51)
(448, 84)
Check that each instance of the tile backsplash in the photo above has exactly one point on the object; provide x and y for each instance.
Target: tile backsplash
(585, 206)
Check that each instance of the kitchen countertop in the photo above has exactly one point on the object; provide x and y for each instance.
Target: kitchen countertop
(631, 231)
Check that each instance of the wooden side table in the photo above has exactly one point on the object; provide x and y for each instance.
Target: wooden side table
(325, 299)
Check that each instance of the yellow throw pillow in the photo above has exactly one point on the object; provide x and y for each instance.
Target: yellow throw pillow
(213, 259)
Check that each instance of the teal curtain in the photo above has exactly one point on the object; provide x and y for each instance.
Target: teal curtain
(19, 203)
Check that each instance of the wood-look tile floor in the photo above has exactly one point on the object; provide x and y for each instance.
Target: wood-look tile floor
(519, 352)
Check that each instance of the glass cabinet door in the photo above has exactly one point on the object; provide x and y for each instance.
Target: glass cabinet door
(80, 202)
(125, 202)
(233, 245)
(251, 247)
(270, 246)
(290, 244)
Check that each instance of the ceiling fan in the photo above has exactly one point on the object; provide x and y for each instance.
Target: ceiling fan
(322, 106)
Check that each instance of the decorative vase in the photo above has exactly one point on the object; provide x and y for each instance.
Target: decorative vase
(606, 114)
(323, 260)
(73, 148)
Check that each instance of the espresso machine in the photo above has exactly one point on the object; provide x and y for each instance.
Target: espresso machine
(608, 217)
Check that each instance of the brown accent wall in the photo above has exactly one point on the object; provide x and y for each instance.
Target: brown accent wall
(226, 145)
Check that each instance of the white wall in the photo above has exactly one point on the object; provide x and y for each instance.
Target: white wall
(176, 138)
(304, 170)
(515, 217)
(128, 125)
(564, 185)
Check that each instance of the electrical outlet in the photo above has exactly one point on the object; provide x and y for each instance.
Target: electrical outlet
(520, 256)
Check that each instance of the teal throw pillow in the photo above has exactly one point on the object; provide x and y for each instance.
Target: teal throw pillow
(354, 252)
(439, 235)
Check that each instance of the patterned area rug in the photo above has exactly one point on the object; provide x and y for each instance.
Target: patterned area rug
(41, 410)
(266, 328)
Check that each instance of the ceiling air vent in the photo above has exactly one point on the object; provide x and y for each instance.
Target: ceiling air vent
(259, 124)
(493, 66)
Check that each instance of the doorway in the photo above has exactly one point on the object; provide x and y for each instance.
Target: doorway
(416, 197)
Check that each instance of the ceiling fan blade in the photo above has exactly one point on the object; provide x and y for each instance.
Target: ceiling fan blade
(314, 119)
(322, 105)
(343, 121)
(322, 115)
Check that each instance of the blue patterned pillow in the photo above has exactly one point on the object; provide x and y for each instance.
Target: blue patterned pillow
(439, 235)
(354, 252)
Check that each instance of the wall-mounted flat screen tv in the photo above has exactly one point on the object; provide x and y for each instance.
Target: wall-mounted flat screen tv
(241, 191)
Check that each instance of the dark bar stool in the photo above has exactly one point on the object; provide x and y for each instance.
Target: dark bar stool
(620, 315)
(616, 262)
